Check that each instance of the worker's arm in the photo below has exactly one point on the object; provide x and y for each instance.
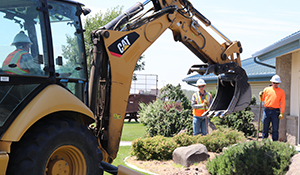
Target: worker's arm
(282, 103)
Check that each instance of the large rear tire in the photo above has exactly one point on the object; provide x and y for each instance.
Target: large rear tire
(60, 147)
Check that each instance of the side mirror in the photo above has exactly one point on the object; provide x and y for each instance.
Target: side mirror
(59, 61)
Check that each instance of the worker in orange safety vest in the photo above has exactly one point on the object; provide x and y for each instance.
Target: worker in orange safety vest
(201, 100)
(20, 61)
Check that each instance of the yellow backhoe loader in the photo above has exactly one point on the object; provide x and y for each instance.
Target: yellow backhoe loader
(47, 101)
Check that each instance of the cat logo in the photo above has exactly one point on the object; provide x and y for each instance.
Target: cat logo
(124, 44)
(119, 47)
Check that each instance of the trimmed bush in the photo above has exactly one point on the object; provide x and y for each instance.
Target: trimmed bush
(265, 157)
(218, 139)
(161, 148)
(184, 139)
(153, 148)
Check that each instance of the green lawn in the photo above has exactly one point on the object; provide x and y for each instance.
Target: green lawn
(132, 130)
(122, 154)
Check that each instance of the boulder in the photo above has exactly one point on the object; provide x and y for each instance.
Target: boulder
(294, 167)
(189, 155)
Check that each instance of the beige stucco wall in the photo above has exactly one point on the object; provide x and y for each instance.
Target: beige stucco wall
(293, 121)
(295, 80)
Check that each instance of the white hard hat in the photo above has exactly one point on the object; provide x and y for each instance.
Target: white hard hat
(200, 82)
(275, 79)
(21, 38)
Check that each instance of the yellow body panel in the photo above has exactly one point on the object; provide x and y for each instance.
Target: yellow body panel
(5, 146)
(3, 162)
(52, 99)
(122, 71)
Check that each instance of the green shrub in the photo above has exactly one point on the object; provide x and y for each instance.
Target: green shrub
(167, 118)
(164, 118)
(241, 120)
(221, 138)
(161, 148)
(265, 157)
(184, 139)
(153, 148)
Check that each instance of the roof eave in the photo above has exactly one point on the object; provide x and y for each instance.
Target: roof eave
(279, 48)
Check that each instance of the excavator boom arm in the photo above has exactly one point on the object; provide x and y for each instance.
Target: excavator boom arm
(120, 43)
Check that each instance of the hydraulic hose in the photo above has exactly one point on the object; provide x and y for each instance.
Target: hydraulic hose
(125, 17)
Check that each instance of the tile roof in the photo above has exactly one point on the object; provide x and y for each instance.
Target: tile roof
(255, 72)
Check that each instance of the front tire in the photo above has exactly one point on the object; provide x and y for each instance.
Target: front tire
(59, 146)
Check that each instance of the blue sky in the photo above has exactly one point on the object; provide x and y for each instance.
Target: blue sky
(257, 24)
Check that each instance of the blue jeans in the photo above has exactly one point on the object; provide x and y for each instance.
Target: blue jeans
(270, 116)
(199, 125)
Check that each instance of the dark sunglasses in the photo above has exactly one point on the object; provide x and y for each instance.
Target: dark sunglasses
(201, 86)
(275, 83)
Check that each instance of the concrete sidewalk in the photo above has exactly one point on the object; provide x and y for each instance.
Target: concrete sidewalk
(125, 143)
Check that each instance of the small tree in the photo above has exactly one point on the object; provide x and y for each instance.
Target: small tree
(174, 93)
(167, 118)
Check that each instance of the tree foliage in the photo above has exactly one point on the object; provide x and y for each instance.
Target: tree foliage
(96, 22)
(174, 93)
(168, 117)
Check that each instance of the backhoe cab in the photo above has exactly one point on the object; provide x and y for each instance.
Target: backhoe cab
(48, 102)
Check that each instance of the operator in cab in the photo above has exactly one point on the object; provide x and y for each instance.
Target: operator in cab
(20, 61)
(201, 100)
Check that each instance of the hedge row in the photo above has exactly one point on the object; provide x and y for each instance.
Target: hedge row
(161, 148)
(265, 157)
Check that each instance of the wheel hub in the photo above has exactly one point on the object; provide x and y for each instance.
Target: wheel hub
(59, 167)
(66, 160)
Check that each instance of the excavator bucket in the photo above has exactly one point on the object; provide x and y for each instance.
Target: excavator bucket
(233, 94)
(233, 90)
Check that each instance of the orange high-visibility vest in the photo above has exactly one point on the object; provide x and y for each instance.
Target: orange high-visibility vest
(14, 58)
(199, 111)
